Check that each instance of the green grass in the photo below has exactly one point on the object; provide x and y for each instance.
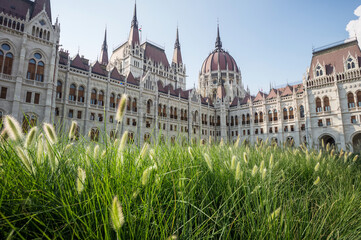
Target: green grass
(183, 195)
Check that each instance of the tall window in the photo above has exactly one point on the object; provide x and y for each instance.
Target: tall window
(6, 59)
(135, 109)
(129, 103)
(256, 118)
(72, 92)
(350, 100)
(164, 111)
(243, 119)
(358, 94)
(350, 63)
(291, 116)
(275, 117)
(261, 117)
(36, 68)
(248, 118)
(319, 71)
(81, 94)
(149, 104)
(285, 114)
(112, 100)
(59, 89)
(101, 98)
(270, 115)
(302, 111)
(160, 110)
(318, 105)
(326, 104)
(93, 97)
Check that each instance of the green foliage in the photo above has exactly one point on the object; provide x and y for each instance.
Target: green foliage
(69, 191)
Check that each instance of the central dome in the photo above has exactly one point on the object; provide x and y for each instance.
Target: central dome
(221, 58)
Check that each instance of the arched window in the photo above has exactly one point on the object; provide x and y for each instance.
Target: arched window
(275, 117)
(59, 89)
(94, 134)
(118, 100)
(93, 97)
(358, 94)
(270, 115)
(147, 138)
(185, 115)
(72, 92)
(350, 63)
(261, 117)
(236, 119)
(101, 98)
(248, 118)
(36, 68)
(218, 120)
(171, 112)
(232, 121)
(319, 71)
(6, 59)
(164, 111)
(195, 119)
(318, 105)
(160, 110)
(285, 114)
(149, 104)
(243, 119)
(112, 101)
(256, 117)
(326, 104)
(302, 111)
(129, 103)
(350, 100)
(135, 109)
(291, 116)
(175, 113)
(81, 94)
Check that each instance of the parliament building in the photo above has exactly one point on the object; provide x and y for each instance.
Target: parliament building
(41, 82)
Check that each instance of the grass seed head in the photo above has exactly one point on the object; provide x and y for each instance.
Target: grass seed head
(261, 167)
(80, 181)
(254, 170)
(123, 142)
(245, 158)
(355, 158)
(50, 133)
(238, 172)
(236, 144)
(146, 175)
(30, 137)
(233, 163)
(208, 161)
(221, 143)
(264, 173)
(274, 215)
(40, 149)
(317, 181)
(116, 214)
(270, 165)
(96, 151)
(317, 167)
(13, 128)
(73, 129)
(121, 108)
(27, 162)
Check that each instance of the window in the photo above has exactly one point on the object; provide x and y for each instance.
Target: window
(134, 108)
(112, 101)
(270, 130)
(328, 121)
(270, 115)
(28, 97)
(326, 104)
(128, 121)
(111, 119)
(276, 129)
(256, 118)
(37, 98)
(29, 121)
(261, 117)
(147, 124)
(318, 105)
(72, 93)
(292, 128)
(261, 130)
(6, 59)
(36, 68)
(275, 118)
(94, 134)
(353, 119)
(291, 116)
(79, 115)
(92, 116)
(320, 124)
(59, 89)
(350, 100)
(286, 129)
(93, 97)
(350, 64)
(358, 95)
(3, 93)
(285, 114)
(302, 111)
(303, 127)
(57, 112)
(319, 71)
(101, 98)
(243, 119)
(129, 102)
(71, 113)
(134, 122)
(100, 117)
(81, 94)
(256, 131)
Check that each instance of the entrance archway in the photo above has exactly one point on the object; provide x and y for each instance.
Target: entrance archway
(327, 139)
(356, 143)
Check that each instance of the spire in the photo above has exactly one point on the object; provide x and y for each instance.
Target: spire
(177, 55)
(40, 5)
(104, 51)
(134, 31)
(218, 40)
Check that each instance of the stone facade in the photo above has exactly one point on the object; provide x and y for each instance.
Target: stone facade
(40, 83)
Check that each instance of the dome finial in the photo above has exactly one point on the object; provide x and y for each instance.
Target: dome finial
(218, 40)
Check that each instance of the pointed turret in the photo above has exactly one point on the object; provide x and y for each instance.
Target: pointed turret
(218, 40)
(39, 5)
(177, 55)
(104, 52)
(134, 31)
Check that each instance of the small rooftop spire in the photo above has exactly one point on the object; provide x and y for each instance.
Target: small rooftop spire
(218, 40)
(134, 31)
(135, 21)
(177, 45)
(104, 51)
(177, 55)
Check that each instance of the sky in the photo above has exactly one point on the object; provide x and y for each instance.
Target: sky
(271, 41)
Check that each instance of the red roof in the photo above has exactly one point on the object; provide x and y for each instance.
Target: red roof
(246, 99)
(235, 102)
(156, 54)
(259, 96)
(79, 63)
(132, 80)
(333, 58)
(19, 8)
(115, 75)
(288, 90)
(272, 94)
(222, 58)
(63, 57)
(99, 69)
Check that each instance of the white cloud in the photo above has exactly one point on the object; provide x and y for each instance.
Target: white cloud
(354, 27)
